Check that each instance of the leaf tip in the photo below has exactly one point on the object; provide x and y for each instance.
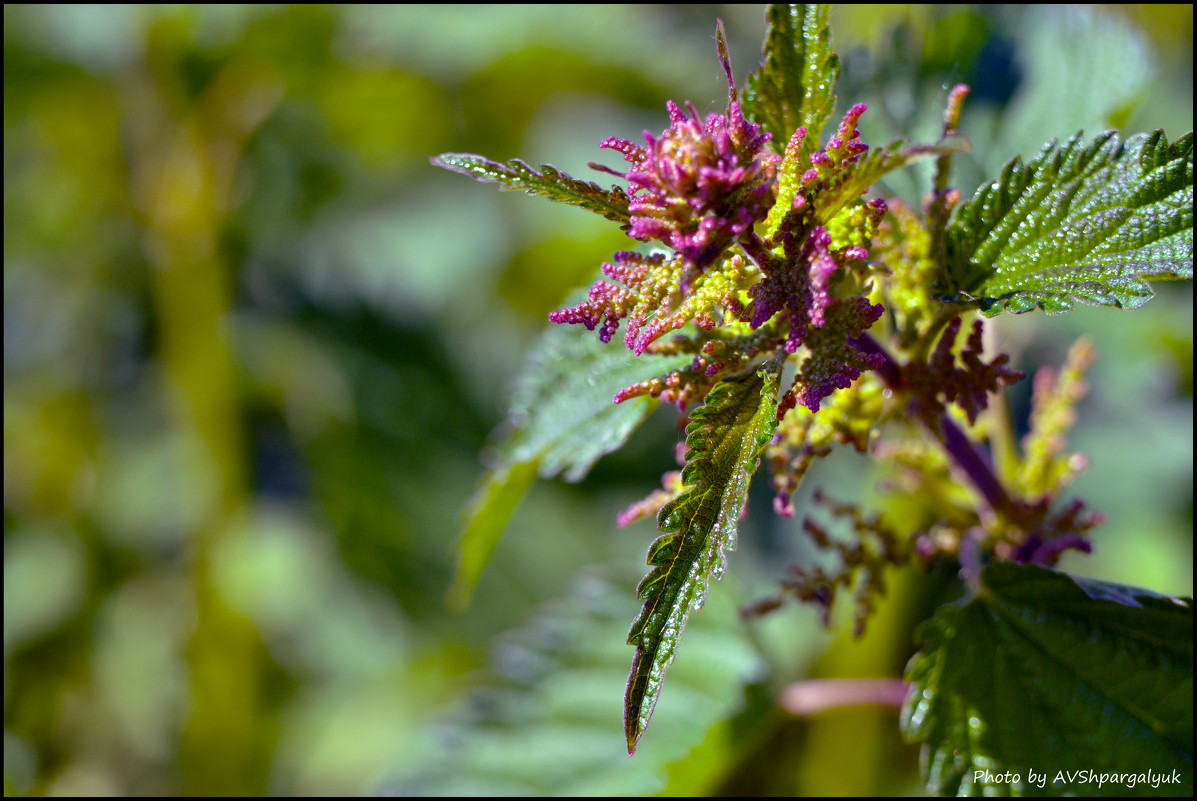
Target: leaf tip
(632, 728)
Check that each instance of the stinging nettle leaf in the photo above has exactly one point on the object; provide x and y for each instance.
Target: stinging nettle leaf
(1045, 672)
(562, 411)
(549, 182)
(795, 86)
(1087, 222)
(725, 438)
(1081, 69)
(562, 421)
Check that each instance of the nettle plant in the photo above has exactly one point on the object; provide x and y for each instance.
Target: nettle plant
(784, 313)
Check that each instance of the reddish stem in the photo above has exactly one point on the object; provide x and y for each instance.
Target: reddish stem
(959, 446)
(804, 698)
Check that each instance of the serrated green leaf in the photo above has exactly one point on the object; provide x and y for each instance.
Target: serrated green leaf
(1085, 222)
(1049, 673)
(562, 421)
(1081, 69)
(543, 719)
(795, 86)
(562, 411)
(549, 182)
(725, 437)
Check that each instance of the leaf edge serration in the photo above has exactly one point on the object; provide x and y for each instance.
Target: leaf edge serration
(1144, 168)
(699, 526)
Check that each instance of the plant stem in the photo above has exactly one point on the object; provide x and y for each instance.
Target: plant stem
(889, 370)
(955, 441)
(804, 698)
(975, 466)
(755, 249)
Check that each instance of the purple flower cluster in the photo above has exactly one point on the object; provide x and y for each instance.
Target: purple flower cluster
(834, 361)
(645, 285)
(939, 381)
(842, 149)
(699, 185)
(799, 284)
(1050, 535)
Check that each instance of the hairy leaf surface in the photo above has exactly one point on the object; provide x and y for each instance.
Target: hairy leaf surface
(562, 410)
(795, 86)
(562, 421)
(542, 720)
(725, 437)
(549, 182)
(1085, 222)
(1046, 672)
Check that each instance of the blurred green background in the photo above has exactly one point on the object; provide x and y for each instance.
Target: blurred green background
(254, 345)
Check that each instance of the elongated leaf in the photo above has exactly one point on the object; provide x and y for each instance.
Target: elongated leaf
(1085, 222)
(795, 86)
(562, 421)
(1042, 672)
(549, 182)
(725, 438)
(487, 515)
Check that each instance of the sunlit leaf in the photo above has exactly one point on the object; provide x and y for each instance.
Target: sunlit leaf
(725, 437)
(1048, 673)
(1087, 222)
(1082, 69)
(549, 182)
(795, 85)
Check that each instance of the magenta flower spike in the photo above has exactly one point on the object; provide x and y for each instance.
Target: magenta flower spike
(699, 185)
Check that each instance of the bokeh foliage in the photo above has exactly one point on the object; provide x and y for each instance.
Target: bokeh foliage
(254, 344)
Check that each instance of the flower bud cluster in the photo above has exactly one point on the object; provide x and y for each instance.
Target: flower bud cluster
(647, 282)
(702, 187)
(700, 184)
(842, 149)
(797, 284)
(939, 381)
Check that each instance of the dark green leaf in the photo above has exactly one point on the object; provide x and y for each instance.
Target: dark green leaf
(725, 437)
(549, 182)
(795, 85)
(1079, 222)
(1048, 673)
